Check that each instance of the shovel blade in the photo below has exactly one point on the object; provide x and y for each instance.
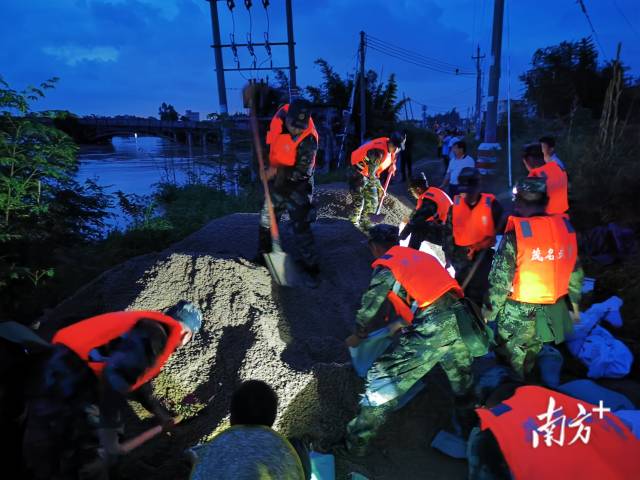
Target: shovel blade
(284, 270)
(376, 217)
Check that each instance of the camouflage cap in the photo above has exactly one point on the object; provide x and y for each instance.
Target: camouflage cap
(384, 233)
(299, 113)
(532, 185)
(531, 189)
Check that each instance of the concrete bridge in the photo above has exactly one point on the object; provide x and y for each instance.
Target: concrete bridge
(98, 129)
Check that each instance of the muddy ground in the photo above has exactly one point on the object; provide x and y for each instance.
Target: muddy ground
(291, 338)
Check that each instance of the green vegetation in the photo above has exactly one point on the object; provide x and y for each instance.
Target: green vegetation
(51, 227)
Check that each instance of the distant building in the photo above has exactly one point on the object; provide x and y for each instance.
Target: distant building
(192, 116)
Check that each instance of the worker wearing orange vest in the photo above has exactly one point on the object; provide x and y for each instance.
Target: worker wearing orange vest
(293, 144)
(369, 161)
(533, 433)
(411, 289)
(553, 174)
(536, 278)
(427, 221)
(470, 232)
(96, 365)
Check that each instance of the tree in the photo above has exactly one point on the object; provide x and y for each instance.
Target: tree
(382, 105)
(42, 207)
(167, 112)
(565, 76)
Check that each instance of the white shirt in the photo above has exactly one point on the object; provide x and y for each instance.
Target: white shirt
(452, 142)
(456, 165)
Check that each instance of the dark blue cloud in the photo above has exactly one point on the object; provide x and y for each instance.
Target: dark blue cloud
(128, 56)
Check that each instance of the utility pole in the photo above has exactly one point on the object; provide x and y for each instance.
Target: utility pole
(489, 150)
(363, 92)
(478, 112)
(494, 73)
(424, 116)
(406, 113)
(292, 54)
(217, 51)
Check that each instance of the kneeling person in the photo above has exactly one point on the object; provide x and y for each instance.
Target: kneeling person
(419, 291)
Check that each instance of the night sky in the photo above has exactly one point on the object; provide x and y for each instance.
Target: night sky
(128, 56)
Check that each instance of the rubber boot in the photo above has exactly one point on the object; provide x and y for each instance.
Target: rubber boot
(264, 245)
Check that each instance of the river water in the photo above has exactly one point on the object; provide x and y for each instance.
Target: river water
(134, 165)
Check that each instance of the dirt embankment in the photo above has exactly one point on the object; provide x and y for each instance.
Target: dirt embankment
(291, 338)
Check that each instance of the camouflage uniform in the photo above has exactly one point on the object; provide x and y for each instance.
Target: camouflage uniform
(457, 257)
(434, 338)
(365, 191)
(524, 327)
(292, 191)
(422, 229)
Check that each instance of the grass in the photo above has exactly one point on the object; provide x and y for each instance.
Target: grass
(180, 211)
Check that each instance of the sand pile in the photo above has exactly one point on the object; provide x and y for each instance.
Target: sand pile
(291, 338)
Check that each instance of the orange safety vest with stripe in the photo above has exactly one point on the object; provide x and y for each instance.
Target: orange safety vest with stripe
(94, 332)
(546, 256)
(557, 186)
(442, 201)
(282, 152)
(472, 225)
(518, 424)
(421, 275)
(359, 155)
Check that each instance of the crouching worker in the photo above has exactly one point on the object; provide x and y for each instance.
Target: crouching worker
(427, 221)
(250, 448)
(413, 287)
(74, 417)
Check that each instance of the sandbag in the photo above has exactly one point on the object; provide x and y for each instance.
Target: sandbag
(593, 393)
(596, 347)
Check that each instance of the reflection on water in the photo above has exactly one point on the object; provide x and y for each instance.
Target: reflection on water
(134, 165)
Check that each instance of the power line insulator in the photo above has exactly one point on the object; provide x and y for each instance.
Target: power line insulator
(265, 3)
(248, 4)
(231, 4)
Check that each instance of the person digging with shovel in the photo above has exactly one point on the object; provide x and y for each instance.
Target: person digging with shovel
(75, 414)
(369, 161)
(293, 144)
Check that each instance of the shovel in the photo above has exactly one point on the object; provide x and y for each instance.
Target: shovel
(379, 217)
(282, 267)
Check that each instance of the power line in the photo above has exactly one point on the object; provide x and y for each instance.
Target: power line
(615, 3)
(593, 30)
(411, 54)
(418, 63)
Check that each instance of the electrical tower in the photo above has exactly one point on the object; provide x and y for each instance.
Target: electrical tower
(250, 46)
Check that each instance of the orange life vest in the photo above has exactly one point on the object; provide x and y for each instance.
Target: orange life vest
(421, 275)
(557, 189)
(612, 451)
(359, 155)
(547, 251)
(472, 225)
(94, 332)
(282, 152)
(442, 201)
